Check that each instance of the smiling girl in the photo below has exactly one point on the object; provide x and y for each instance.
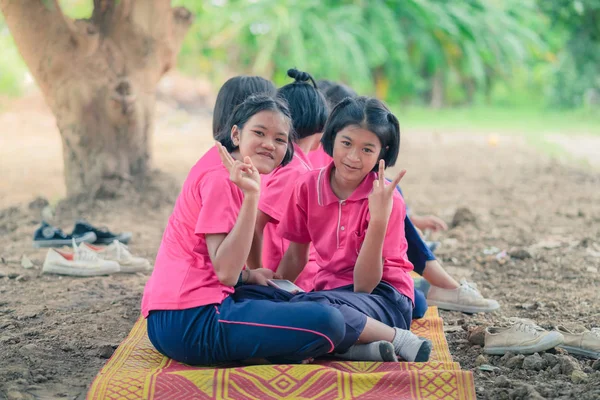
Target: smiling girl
(355, 220)
(194, 311)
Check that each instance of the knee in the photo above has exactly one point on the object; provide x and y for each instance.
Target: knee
(330, 322)
(420, 305)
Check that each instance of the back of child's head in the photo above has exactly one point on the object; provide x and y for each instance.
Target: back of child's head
(337, 92)
(306, 103)
(235, 91)
(370, 114)
(248, 108)
(324, 84)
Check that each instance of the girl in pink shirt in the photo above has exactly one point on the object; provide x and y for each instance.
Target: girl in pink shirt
(195, 315)
(355, 222)
(309, 112)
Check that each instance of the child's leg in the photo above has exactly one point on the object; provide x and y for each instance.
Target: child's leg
(420, 305)
(384, 308)
(437, 276)
(235, 331)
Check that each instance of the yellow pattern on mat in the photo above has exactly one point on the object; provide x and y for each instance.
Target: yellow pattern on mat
(138, 371)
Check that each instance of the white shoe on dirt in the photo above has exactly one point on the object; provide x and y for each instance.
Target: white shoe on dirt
(119, 253)
(586, 344)
(77, 263)
(521, 338)
(466, 298)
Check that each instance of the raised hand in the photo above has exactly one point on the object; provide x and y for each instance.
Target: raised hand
(381, 198)
(243, 174)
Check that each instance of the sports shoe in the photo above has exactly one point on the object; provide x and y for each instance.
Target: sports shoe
(585, 344)
(520, 338)
(49, 236)
(78, 263)
(118, 252)
(466, 298)
(103, 235)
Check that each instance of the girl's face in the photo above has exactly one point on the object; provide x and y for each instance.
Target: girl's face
(264, 138)
(355, 153)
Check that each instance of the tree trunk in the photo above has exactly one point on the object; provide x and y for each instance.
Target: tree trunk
(437, 91)
(99, 77)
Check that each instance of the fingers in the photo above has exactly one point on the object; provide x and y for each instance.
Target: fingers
(226, 158)
(439, 224)
(277, 276)
(381, 173)
(248, 161)
(397, 180)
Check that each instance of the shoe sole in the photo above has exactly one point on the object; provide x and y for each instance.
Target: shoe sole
(82, 272)
(387, 352)
(424, 351)
(581, 352)
(88, 238)
(133, 269)
(123, 238)
(551, 342)
(456, 307)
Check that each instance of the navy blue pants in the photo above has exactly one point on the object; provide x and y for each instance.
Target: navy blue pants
(242, 328)
(418, 254)
(384, 304)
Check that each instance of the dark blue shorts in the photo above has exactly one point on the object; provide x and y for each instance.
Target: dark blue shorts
(243, 327)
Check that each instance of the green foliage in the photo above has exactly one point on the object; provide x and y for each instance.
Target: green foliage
(12, 66)
(390, 47)
(577, 75)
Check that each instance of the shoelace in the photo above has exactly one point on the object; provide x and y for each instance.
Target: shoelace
(470, 287)
(528, 328)
(93, 228)
(122, 250)
(83, 255)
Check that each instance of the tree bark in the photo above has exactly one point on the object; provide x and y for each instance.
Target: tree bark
(99, 78)
(437, 91)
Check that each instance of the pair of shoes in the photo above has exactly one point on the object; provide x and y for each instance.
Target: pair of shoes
(103, 235)
(520, 338)
(466, 298)
(88, 260)
(586, 343)
(49, 236)
(119, 252)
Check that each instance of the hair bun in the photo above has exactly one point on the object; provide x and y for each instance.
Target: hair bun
(301, 76)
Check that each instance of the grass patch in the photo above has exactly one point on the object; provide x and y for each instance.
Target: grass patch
(534, 125)
(530, 122)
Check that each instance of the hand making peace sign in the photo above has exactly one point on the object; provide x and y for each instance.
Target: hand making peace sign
(243, 174)
(381, 198)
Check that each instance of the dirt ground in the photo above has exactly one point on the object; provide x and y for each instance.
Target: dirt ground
(57, 332)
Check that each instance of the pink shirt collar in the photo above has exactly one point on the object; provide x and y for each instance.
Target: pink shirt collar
(325, 195)
(300, 156)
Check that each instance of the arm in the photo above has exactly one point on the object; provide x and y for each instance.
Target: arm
(368, 269)
(229, 252)
(255, 257)
(369, 264)
(294, 260)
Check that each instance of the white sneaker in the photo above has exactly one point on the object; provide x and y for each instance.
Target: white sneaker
(77, 263)
(521, 338)
(466, 298)
(118, 252)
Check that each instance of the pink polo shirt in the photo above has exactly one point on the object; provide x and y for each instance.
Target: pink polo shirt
(318, 158)
(274, 196)
(337, 230)
(183, 275)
